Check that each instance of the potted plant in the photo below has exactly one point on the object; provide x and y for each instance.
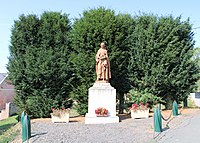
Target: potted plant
(141, 101)
(60, 115)
(101, 112)
(139, 111)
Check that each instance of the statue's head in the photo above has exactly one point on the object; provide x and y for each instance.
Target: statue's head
(103, 44)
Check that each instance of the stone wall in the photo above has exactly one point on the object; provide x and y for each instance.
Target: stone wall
(8, 111)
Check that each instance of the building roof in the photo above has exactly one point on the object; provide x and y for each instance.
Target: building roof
(2, 77)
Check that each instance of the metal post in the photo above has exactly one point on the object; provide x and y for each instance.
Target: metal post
(175, 108)
(22, 116)
(157, 120)
(26, 128)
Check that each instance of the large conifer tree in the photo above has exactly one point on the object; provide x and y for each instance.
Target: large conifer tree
(39, 62)
(161, 50)
(94, 27)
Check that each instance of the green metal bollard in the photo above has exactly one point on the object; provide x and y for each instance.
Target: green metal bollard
(157, 120)
(22, 116)
(175, 108)
(26, 128)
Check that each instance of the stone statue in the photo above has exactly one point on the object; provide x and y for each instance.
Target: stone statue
(102, 64)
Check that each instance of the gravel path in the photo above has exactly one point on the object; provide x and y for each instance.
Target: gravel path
(127, 131)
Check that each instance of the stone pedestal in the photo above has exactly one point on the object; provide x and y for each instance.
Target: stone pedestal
(101, 95)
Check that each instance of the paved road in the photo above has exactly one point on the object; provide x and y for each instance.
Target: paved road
(188, 131)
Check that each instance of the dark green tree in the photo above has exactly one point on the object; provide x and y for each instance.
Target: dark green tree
(161, 50)
(196, 58)
(39, 65)
(94, 27)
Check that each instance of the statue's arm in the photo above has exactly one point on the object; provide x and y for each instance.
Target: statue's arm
(97, 57)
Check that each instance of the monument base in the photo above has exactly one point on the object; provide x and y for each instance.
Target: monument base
(101, 95)
(100, 120)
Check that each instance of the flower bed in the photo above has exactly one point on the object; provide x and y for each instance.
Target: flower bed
(139, 111)
(101, 112)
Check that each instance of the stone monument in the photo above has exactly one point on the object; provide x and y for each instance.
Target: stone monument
(102, 94)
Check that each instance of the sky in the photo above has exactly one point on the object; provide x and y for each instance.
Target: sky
(10, 10)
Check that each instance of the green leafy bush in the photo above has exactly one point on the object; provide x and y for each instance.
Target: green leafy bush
(135, 96)
(38, 106)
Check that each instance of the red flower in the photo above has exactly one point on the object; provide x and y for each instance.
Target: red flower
(134, 105)
(97, 111)
(105, 111)
(53, 109)
(101, 111)
(63, 108)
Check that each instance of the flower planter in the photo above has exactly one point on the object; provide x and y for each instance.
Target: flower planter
(140, 113)
(61, 118)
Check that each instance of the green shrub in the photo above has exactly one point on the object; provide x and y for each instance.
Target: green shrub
(39, 106)
(135, 96)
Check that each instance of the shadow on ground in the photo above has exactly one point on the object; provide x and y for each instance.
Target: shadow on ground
(34, 137)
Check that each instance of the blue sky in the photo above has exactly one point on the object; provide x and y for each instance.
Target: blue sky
(11, 9)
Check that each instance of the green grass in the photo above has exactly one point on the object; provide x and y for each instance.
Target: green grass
(8, 130)
(7, 123)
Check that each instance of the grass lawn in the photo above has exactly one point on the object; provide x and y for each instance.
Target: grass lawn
(8, 130)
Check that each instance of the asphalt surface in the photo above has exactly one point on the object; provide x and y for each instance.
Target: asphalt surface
(187, 130)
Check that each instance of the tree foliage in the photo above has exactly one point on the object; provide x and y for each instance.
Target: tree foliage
(196, 58)
(39, 62)
(52, 63)
(94, 27)
(161, 50)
